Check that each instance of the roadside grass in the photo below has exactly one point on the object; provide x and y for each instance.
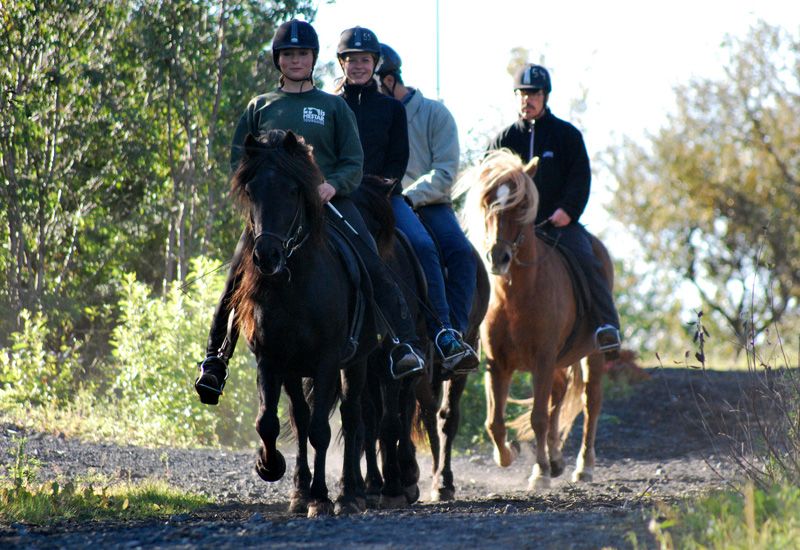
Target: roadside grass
(750, 519)
(763, 442)
(24, 499)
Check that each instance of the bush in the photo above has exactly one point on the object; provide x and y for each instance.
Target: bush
(30, 372)
(156, 346)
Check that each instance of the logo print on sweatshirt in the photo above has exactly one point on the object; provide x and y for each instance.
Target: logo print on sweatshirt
(314, 115)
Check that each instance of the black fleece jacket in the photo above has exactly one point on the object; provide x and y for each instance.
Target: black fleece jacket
(382, 129)
(563, 177)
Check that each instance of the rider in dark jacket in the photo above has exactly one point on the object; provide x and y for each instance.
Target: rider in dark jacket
(563, 179)
(329, 127)
(383, 131)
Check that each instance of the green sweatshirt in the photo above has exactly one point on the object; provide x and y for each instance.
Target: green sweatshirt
(325, 122)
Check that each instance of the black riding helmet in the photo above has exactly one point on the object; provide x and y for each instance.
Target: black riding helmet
(294, 34)
(532, 77)
(358, 39)
(390, 62)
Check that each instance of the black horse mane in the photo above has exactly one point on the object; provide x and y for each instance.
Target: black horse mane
(373, 199)
(288, 155)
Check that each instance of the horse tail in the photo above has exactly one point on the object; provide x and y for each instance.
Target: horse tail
(418, 432)
(571, 404)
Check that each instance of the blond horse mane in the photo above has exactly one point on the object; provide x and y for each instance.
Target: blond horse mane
(481, 181)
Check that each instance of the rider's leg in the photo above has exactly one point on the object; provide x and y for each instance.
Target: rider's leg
(461, 268)
(576, 239)
(448, 343)
(428, 256)
(407, 356)
(221, 337)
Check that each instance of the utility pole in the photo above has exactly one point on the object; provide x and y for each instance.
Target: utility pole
(438, 88)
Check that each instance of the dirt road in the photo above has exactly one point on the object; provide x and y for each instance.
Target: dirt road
(651, 448)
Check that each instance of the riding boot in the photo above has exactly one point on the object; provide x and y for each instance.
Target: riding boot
(222, 339)
(457, 356)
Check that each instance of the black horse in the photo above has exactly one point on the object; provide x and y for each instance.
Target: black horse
(438, 395)
(294, 305)
(389, 404)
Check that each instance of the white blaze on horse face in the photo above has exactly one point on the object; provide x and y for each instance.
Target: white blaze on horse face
(503, 193)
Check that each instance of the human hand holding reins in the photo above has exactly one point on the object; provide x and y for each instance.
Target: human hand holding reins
(559, 218)
(326, 191)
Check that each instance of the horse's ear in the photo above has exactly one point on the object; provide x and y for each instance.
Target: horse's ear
(290, 142)
(531, 167)
(251, 143)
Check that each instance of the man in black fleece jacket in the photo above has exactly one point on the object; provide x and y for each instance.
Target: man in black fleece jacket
(563, 178)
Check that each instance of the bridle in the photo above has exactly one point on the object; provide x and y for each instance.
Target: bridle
(293, 239)
(514, 245)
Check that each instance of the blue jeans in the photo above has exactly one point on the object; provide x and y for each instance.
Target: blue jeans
(428, 255)
(459, 260)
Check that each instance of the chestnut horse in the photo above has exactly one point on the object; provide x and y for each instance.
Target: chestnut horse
(534, 322)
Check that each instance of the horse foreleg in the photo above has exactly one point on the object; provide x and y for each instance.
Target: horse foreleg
(370, 405)
(319, 434)
(392, 495)
(270, 464)
(593, 402)
(540, 421)
(299, 415)
(449, 420)
(351, 500)
(497, 383)
(427, 399)
(406, 450)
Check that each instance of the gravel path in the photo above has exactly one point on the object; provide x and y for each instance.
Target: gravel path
(651, 447)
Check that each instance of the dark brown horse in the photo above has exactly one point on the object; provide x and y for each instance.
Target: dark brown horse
(533, 323)
(294, 304)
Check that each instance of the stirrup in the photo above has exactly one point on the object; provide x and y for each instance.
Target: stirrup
(607, 338)
(449, 362)
(469, 361)
(402, 371)
(209, 394)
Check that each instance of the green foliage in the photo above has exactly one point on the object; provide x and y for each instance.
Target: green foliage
(23, 499)
(156, 349)
(713, 196)
(751, 519)
(32, 374)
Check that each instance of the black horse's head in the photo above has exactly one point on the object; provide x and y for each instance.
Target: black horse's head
(276, 183)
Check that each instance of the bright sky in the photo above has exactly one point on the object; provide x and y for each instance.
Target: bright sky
(628, 55)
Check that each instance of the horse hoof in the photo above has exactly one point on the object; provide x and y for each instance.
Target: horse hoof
(412, 493)
(539, 480)
(443, 495)
(320, 508)
(584, 476)
(373, 500)
(299, 504)
(391, 502)
(346, 507)
(557, 467)
(273, 473)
